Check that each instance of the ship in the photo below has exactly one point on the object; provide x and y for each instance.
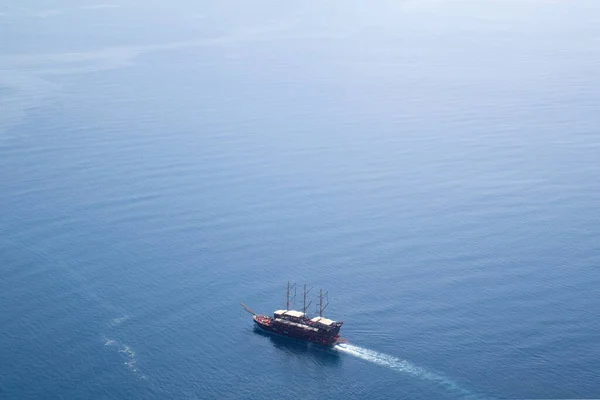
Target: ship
(298, 324)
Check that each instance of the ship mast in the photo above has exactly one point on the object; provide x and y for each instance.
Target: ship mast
(288, 298)
(323, 302)
(305, 306)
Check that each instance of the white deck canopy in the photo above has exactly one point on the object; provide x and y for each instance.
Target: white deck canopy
(294, 313)
(289, 313)
(323, 321)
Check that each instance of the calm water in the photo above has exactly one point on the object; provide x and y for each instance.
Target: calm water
(434, 164)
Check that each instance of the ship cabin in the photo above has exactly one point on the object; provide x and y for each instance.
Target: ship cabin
(324, 323)
(290, 315)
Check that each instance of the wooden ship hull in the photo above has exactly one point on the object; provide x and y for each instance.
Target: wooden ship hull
(297, 324)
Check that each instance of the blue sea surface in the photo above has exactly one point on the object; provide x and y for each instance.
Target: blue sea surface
(434, 165)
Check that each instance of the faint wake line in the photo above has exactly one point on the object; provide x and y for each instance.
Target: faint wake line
(400, 365)
(128, 353)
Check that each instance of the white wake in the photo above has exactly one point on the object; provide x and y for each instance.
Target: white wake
(407, 367)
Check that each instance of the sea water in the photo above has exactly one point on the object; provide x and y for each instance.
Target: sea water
(433, 165)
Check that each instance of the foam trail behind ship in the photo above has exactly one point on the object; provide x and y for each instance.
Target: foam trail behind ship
(404, 366)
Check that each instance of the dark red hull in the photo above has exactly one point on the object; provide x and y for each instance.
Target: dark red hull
(270, 325)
